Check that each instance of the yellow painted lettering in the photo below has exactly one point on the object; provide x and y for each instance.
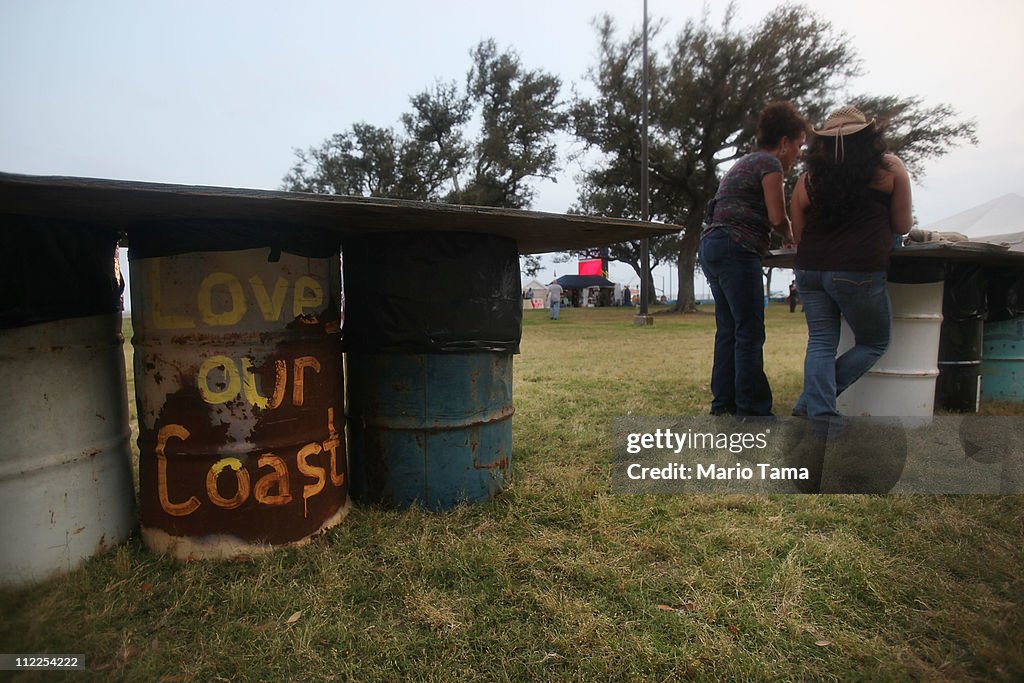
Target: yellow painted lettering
(310, 490)
(252, 394)
(269, 305)
(298, 380)
(278, 478)
(173, 509)
(332, 444)
(280, 383)
(228, 389)
(162, 321)
(308, 294)
(241, 477)
(233, 314)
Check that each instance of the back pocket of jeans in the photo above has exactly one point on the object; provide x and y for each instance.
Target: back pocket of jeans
(857, 283)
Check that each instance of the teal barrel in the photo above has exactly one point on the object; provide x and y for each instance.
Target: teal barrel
(431, 323)
(429, 429)
(1002, 365)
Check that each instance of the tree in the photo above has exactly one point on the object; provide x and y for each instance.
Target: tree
(916, 133)
(433, 157)
(521, 114)
(436, 129)
(706, 92)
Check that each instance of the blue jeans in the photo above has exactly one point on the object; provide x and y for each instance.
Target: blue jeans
(863, 300)
(738, 382)
(554, 309)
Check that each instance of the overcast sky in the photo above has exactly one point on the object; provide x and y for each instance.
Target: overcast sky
(221, 93)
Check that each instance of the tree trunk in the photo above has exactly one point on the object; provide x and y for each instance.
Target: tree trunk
(768, 281)
(685, 300)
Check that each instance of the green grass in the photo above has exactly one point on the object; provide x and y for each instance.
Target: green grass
(556, 579)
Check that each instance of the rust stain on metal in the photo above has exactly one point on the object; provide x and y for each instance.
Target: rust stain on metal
(242, 413)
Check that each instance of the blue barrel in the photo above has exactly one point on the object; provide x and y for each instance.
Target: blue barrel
(429, 429)
(431, 323)
(1002, 365)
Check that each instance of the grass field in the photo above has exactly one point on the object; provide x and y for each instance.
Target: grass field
(557, 579)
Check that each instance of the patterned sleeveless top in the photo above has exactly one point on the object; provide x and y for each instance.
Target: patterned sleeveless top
(738, 207)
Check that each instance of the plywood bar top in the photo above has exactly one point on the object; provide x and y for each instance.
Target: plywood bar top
(120, 204)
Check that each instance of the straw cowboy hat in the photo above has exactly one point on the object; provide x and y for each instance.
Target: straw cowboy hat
(844, 121)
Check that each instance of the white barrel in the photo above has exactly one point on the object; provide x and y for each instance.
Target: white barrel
(66, 487)
(902, 382)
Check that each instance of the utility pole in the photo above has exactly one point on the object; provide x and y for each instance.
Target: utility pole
(645, 244)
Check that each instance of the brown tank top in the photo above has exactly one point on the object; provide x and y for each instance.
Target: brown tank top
(861, 243)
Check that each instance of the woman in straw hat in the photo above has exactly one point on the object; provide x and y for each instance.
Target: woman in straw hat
(845, 209)
(749, 204)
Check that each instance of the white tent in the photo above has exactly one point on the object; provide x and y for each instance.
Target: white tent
(540, 294)
(1001, 216)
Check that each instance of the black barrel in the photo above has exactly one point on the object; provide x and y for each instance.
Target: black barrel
(958, 387)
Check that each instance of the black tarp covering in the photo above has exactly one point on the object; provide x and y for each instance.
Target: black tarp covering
(182, 236)
(963, 296)
(56, 269)
(960, 340)
(963, 309)
(1005, 294)
(440, 292)
(917, 271)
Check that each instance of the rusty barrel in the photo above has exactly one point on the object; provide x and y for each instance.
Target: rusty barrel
(65, 463)
(239, 387)
(432, 321)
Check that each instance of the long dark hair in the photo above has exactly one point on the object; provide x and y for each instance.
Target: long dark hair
(840, 172)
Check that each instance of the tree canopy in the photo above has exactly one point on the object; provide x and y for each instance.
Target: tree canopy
(437, 155)
(488, 141)
(707, 86)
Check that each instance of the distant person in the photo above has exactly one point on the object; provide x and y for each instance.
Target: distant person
(555, 296)
(846, 208)
(627, 296)
(749, 205)
(529, 293)
(793, 296)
